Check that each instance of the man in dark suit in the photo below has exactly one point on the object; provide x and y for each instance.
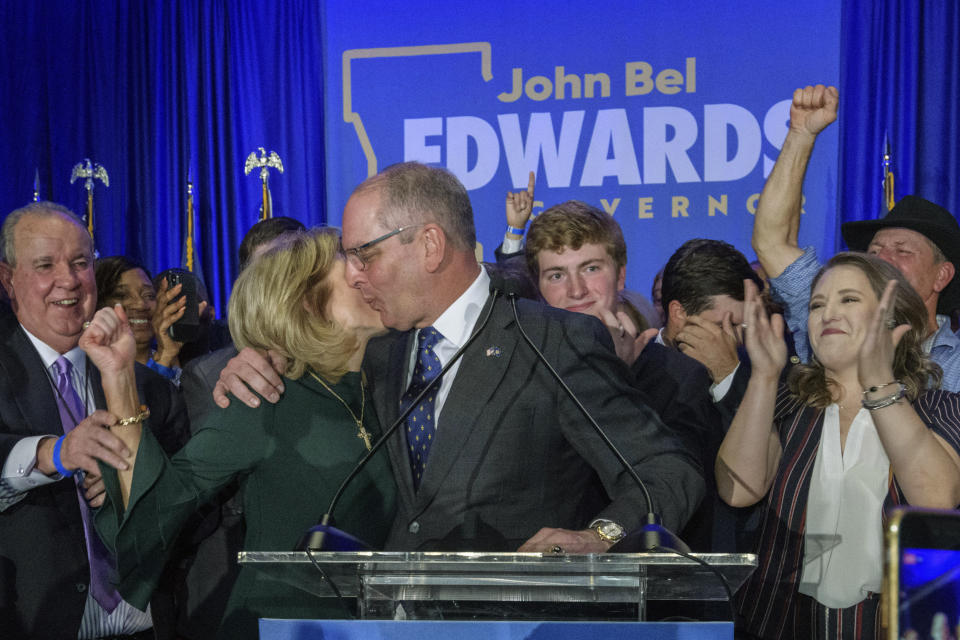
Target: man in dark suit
(505, 459)
(513, 459)
(577, 256)
(48, 588)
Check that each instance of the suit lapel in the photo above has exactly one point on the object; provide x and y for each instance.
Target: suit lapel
(483, 367)
(35, 398)
(37, 403)
(388, 376)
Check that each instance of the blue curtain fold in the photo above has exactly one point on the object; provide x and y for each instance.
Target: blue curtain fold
(147, 89)
(899, 76)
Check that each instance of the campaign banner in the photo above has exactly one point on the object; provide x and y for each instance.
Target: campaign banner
(668, 116)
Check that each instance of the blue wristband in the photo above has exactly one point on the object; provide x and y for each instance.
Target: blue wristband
(515, 231)
(62, 470)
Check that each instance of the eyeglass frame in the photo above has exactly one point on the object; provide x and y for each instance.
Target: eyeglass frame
(355, 251)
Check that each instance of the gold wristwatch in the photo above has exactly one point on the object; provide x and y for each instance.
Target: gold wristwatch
(608, 530)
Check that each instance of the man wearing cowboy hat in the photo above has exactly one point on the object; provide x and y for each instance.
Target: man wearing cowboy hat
(918, 237)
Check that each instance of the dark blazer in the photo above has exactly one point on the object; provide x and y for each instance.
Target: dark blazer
(512, 452)
(199, 377)
(44, 573)
(678, 387)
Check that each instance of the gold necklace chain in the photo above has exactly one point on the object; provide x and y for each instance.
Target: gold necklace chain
(362, 432)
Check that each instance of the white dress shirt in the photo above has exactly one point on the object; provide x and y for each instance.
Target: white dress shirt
(455, 324)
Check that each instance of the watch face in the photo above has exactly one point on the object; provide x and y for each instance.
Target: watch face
(610, 531)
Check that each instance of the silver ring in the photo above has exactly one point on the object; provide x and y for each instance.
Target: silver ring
(622, 330)
(744, 325)
(891, 324)
(86, 325)
(556, 549)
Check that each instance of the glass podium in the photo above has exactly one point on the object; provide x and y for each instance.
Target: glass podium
(499, 586)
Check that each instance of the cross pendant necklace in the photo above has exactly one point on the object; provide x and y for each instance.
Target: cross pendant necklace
(362, 432)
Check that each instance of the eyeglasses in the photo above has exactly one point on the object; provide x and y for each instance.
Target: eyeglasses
(355, 255)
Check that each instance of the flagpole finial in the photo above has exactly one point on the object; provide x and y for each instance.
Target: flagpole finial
(888, 182)
(190, 260)
(89, 171)
(264, 162)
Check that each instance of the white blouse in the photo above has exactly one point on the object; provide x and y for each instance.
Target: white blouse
(847, 490)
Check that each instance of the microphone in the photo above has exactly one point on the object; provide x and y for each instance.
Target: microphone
(652, 534)
(325, 536)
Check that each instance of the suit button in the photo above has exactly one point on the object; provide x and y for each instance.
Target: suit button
(414, 527)
(81, 587)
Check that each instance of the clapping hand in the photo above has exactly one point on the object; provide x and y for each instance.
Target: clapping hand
(763, 336)
(875, 360)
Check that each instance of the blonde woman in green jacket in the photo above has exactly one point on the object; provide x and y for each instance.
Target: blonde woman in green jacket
(289, 457)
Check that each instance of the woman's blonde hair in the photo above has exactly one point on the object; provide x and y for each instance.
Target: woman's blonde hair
(911, 365)
(280, 300)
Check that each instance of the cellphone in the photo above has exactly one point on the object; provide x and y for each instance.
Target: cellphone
(921, 591)
(187, 328)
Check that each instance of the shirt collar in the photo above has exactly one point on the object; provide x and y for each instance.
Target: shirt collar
(659, 339)
(49, 355)
(943, 337)
(456, 322)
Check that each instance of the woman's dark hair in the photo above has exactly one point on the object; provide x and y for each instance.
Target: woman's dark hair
(108, 272)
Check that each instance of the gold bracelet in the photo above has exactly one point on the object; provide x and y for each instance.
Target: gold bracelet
(137, 419)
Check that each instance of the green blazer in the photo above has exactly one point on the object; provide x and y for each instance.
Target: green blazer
(290, 458)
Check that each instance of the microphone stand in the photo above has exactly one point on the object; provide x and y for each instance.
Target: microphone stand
(652, 534)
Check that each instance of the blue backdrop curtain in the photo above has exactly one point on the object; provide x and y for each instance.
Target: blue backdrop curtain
(899, 76)
(147, 89)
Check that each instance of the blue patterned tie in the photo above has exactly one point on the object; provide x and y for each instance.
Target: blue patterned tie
(72, 411)
(421, 427)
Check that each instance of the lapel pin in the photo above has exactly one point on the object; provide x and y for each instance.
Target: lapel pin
(493, 351)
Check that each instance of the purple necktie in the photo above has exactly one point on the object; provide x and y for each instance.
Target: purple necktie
(73, 410)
